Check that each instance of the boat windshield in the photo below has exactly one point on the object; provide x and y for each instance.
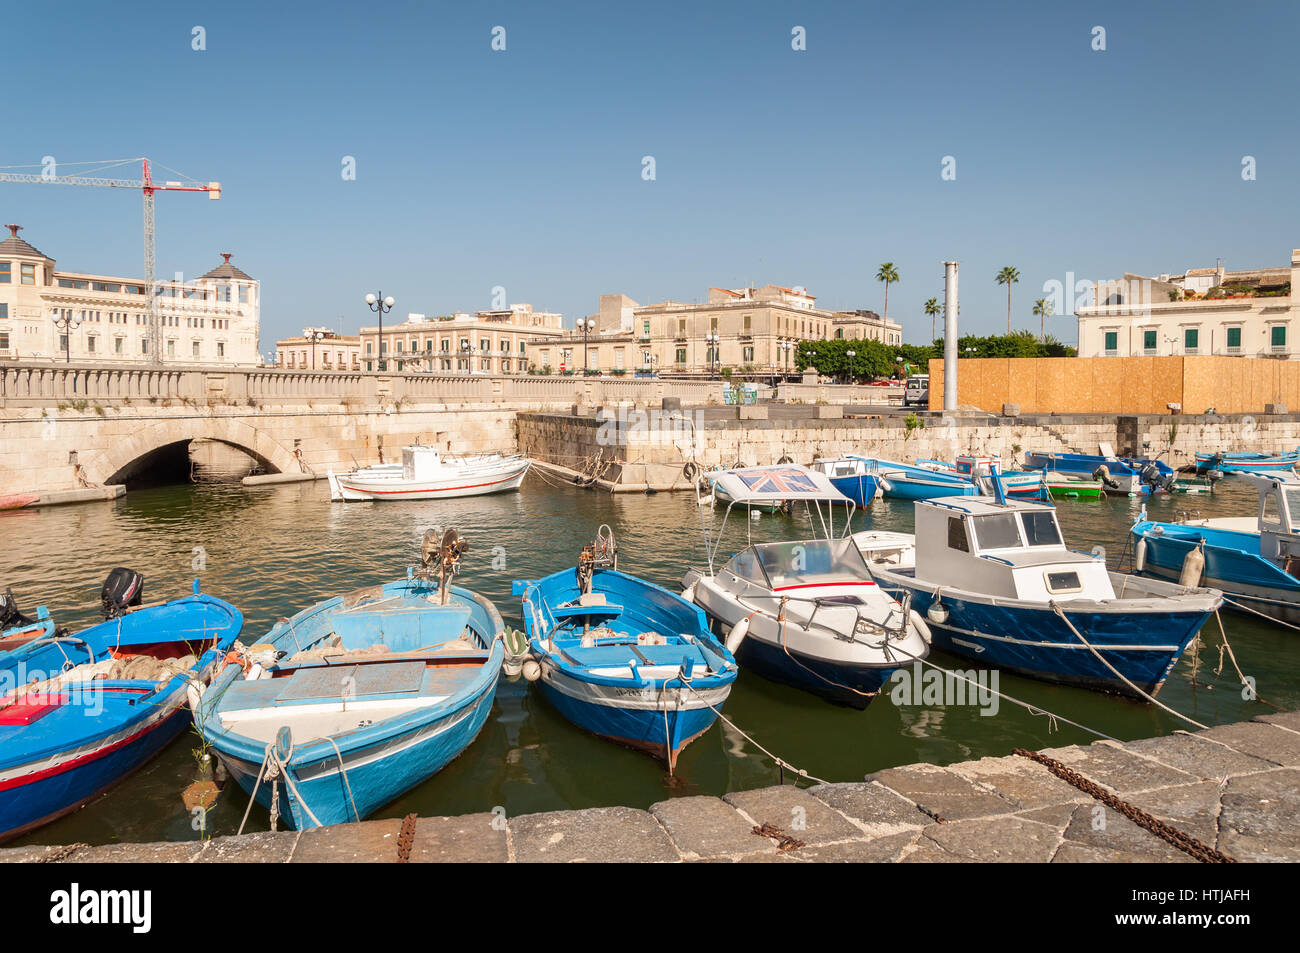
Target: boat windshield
(811, 561)
(997, 531)
(1293, 506)
(1041, 528)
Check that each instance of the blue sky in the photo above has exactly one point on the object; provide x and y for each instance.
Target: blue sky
(523, 168)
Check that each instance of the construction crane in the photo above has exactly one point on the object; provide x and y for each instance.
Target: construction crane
(147, 186)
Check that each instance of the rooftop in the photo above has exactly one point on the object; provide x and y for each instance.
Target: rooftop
(227, 270)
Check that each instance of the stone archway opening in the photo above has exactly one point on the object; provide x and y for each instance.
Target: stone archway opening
(191, 460)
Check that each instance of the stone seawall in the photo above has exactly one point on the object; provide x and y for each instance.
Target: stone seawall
(1235, 789)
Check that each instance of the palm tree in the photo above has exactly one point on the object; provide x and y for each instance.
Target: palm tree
(932, 309)
(1008, 276)
(887, 273)
(1043, 308)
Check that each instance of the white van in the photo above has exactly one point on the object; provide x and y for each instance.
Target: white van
(917, 391)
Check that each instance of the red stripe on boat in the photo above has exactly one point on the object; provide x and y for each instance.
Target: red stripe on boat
(818, 585)
(444, 489)
(83, 759)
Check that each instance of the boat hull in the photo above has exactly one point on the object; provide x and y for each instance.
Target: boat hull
(345, 489)
(905, 487)
(861, 488)
(1035, 642)
(854, 686)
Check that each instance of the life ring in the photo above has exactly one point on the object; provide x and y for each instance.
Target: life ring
(691, 470)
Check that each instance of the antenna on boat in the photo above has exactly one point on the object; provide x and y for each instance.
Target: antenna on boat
(600, 553)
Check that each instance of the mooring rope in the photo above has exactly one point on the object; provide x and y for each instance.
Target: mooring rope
(1264, 615)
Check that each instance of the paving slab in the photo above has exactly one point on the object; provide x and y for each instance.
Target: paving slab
(157, 853)
(1259, 739)
(1117, 769)
(796, 812)
(365, 842)
(709, 827)
(874, 808)
(1282, 719)
(1258, 820)
(996, 839)
(1192, 808)
(609, 834)
(469, 839)
(1075, 853)
(1025, 783)
(268, 847)
(35, 854)
(942, 793)
(875, 850)
(1197, 756)
(1095, 825)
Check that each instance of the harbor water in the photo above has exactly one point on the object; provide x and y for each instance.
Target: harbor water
(275, 550)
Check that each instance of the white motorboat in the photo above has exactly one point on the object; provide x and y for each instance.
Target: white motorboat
(805, 612)
(426, 474)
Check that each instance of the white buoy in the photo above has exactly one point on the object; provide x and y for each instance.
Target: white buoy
(937, 613)
(737, 635)
(689, 593)
(532, 670)
(1140, 555)
(1193, 567)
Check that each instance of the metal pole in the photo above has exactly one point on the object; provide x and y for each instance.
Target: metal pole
(950, 336)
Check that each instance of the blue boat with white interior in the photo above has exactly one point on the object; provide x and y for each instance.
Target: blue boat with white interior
(17, 628)
(359, 698)
(918, 481)
(1120, 476)
(621, 657)
(856, 477)
(1247, 461)
(998, 585)
(79, 712)
(1254, 560)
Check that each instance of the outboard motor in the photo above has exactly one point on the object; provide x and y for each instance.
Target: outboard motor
(1103, 473)
(10, 617)
(123, 590)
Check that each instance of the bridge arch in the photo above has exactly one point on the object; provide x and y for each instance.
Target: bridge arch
(113, 462)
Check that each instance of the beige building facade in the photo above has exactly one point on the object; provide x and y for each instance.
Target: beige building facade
(745, 330)
(322, 349)
(52, 315)
(485, 342)
(1204, 311)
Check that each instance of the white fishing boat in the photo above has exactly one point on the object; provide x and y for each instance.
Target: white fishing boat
(805, 612)
(426, 474)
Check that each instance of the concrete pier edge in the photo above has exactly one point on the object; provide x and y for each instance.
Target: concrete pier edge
(1235, 787)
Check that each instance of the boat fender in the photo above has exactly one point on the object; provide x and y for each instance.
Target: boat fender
(1140, 555)
(194, 693)
(532, 670)
(737, 634)
(919, 626)
(1193, 567)
(689, 593)
(937, 613)
(255, 671)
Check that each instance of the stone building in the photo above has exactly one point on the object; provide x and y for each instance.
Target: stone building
(321, 349)
(52, 315)
(485, 342)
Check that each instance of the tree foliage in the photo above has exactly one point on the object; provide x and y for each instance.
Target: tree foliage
(872, 359)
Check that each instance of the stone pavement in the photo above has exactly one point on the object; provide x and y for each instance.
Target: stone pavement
(1235, 788)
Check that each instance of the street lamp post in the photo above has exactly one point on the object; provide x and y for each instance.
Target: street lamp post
(314, 337)
(378, 304)
(466, 348)
(586, 324)
(713, 339)
(66, 325)
(851, 354)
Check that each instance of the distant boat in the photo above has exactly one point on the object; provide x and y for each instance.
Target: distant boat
(805, 612)
(16, 501)
(1255, 560)
(1066, 486)
(91, 708)
(623, 658)
(1124, 476)
(998, 585)
(1247, 461)
(426, 474)
(18, 629)
(919, 481)
(978, 470)
(357, 699)
(855, 477)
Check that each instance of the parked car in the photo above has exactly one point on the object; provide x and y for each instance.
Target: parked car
(917, 391)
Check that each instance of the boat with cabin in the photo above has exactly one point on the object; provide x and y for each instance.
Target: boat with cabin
(621, 657)
(426, 473)
(80, 712)
(998, 585)
(1254, 560)
(357, 699)
(805, 612)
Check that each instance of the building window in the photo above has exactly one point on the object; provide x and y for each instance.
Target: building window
(63, 342)
(1149, 341)
(681, 355)
(4, 310)
(144, 346)
(6, 274)
(117, 345)
(221, 350)
(90, 344)
(645, 329)
(1234, 339)
(28, 274)
(4, 340)
(1278, 337)
(1191, 339)
(194, 348)
(1112, 342)
(370, 346)
(747, 355)
(681, 327)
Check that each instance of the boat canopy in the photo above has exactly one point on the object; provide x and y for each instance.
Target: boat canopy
(778, 483)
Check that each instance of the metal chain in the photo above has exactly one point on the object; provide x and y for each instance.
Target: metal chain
(406, 839)
(784, 841)
(1166, 832)
(62, 854)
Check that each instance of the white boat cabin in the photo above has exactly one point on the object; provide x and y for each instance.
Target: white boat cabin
(421, 463)
(1012, 550)
(1279, 516)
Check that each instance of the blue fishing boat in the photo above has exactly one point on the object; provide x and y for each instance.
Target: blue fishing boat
(356, 700)
(78, 713)
(621, 657)
(920, 481)
(855, 477)
(1121, 476)
(1254, 560)
(17, 629)
(998, 585)
(978, 470)
(1247, 462)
